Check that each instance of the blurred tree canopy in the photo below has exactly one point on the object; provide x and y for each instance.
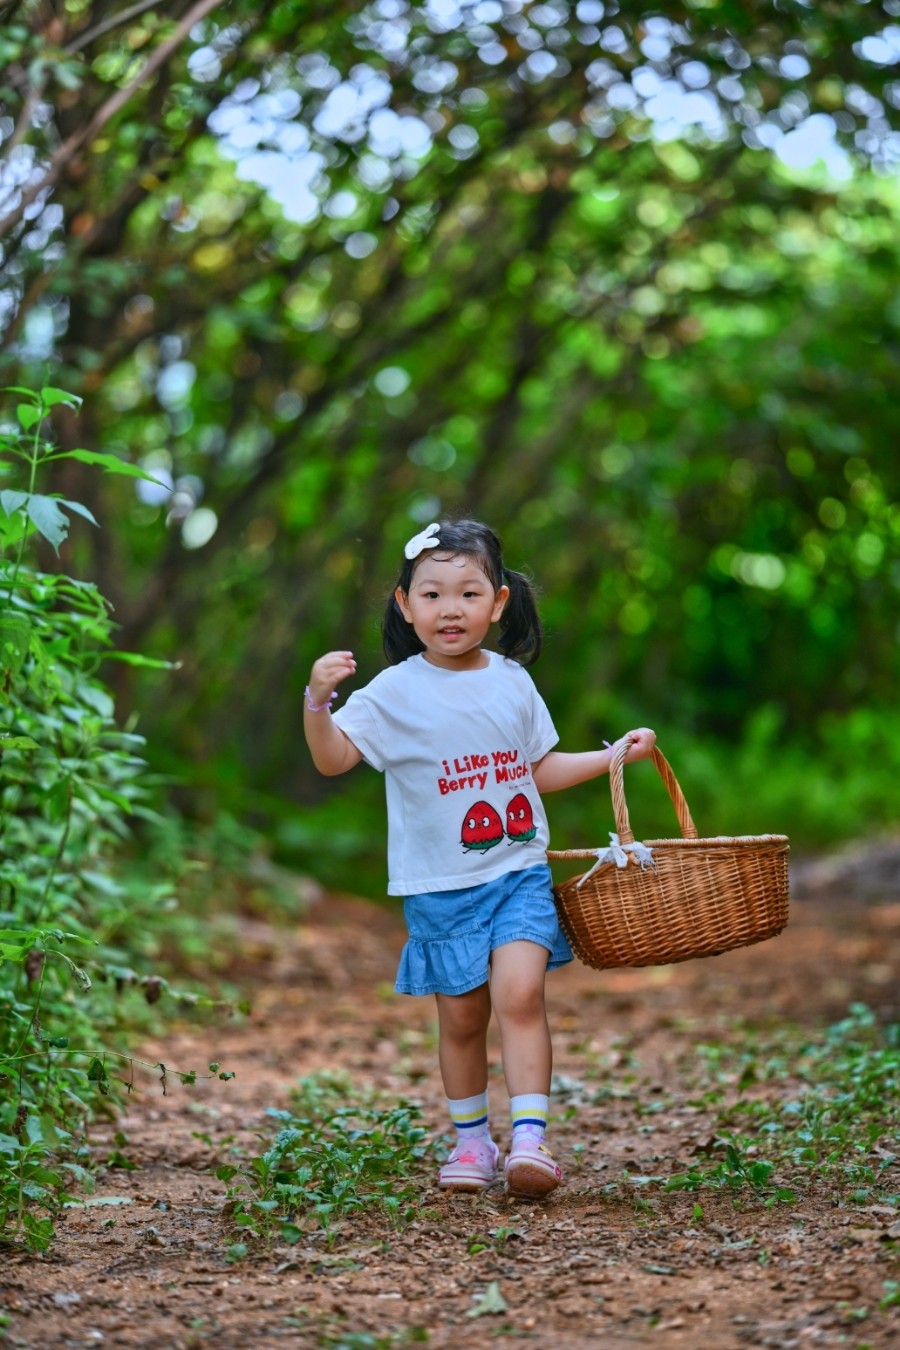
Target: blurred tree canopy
(622, 280)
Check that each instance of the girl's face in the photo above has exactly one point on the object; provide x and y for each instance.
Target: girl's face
(451, 605)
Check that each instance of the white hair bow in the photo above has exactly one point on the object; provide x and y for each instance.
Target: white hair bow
(427, 538)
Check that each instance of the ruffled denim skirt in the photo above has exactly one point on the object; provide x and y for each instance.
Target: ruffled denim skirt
(452, 933)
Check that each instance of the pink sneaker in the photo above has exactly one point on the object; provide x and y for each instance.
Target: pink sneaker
(472, 1166)
(531, 1171)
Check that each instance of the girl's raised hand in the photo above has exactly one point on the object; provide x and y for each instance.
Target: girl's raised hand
(328, 672)
(642, 740)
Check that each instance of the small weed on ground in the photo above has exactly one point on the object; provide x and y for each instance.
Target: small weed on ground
(330, 1157)
(804, 1110)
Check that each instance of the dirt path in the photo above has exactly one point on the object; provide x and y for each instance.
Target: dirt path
(604, 1263)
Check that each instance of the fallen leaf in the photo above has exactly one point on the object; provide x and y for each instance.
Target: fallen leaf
(490, 1303)
(97, 1200)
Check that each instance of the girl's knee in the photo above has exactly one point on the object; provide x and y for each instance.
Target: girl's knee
(523, 1004)
(464, 1016)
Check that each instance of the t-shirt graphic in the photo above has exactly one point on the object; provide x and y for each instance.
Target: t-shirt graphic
(520, 824)
(482, 828)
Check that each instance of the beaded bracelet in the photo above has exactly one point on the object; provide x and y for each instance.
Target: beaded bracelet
(319, 707)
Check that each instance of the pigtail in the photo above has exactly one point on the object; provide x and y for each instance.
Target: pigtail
(521, 631)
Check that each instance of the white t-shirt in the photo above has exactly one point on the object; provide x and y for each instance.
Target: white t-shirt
(456, 749)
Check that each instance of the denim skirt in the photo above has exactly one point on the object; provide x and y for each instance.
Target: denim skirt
(452, 933)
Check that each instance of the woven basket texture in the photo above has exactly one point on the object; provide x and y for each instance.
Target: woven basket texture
(700, 897)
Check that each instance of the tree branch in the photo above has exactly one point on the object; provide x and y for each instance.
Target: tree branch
(115, 21)
(79, 139)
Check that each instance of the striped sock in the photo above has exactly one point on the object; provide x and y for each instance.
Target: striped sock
(470, 1116)
(529, 1112)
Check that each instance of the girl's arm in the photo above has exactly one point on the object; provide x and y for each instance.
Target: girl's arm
(333, 752)
(558, 770)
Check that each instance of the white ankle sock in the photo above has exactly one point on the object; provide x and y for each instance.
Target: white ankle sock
(470, 1116)
(529, 1112)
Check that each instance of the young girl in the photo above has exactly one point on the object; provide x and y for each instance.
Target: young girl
(466, 746)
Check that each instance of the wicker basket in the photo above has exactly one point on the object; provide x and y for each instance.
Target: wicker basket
(698, 897)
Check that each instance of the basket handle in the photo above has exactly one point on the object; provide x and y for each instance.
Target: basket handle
(617, 787)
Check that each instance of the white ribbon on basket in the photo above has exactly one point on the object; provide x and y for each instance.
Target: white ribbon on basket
(617, 853)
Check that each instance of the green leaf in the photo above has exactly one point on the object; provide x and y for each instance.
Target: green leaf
(17, 743)
(28, 415)
(79, 510)
(57, 797)
(46, 513)
(11, 529)
(15, 943)
(12, 501)
(760, 1172)
(15, 637)
(109, 463)
(61, 935)
(50, 397)
(117, 798)
(48, 519)
(95, 698)
(40, 1232)
(136, 659)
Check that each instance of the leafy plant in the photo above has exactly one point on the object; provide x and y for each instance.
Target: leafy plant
(737, 1169)
(841, 1127)
(31, 1189)
(328, 1160)
(71, 785)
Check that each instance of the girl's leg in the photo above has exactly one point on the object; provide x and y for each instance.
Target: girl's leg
(462, 1051)
(462, 1046)
(517, 993)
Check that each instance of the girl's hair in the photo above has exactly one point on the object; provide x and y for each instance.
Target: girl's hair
(521, 634)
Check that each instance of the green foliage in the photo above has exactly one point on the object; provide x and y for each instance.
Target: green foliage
(658, 356)
(830, 783)
(332, 1157)
(72, 783)
(842, 1128)
(32, 1188)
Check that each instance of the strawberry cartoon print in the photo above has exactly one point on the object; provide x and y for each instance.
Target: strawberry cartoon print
(482, 828)
(520, 826)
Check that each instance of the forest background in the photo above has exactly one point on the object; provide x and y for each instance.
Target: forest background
(621, 280)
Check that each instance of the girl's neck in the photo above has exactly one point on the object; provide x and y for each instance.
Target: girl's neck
(477, 659)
